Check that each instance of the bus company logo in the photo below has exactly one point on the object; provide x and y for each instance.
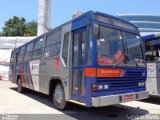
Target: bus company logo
(150, 65)
(35, 67)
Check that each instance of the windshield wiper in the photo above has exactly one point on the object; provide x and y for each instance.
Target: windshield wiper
(116, 64)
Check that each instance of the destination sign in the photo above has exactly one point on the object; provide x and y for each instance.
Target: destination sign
(115, 22)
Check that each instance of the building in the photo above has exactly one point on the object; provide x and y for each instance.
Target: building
(7, 44)
(147, 24)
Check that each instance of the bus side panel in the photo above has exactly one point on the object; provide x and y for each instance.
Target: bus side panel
(47, 71)
(53, 67)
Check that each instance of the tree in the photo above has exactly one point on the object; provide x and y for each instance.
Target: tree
(18, 27)
(14, 27)
(31, 28)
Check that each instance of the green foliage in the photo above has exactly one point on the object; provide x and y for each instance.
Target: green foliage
(31, 28)
(18, 27)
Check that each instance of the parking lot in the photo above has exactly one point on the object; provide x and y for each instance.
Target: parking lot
(39, 105)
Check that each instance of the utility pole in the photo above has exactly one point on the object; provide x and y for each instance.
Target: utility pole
(44, 16)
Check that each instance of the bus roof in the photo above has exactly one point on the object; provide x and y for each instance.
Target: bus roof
(150, 37)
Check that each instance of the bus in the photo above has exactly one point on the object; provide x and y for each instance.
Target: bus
(152, 53)
(93, 60)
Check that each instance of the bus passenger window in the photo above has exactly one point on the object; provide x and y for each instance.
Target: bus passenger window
(75, 49)
(39, 53)
(39, 43)
(28, 53)
(52, 50)
(54, 37)
(83, 47)
(65, 48)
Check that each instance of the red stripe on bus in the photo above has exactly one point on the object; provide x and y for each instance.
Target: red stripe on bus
(90, 72)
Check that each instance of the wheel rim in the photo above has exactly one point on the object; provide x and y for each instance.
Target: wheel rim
(58, 94)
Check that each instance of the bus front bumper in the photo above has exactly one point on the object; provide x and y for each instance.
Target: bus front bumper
(116, 99)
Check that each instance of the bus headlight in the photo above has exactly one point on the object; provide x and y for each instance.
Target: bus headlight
(100, 87)
(141, 84)
(106, 87)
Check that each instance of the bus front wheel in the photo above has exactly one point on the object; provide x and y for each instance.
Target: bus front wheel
(20, 89)
(59, 97)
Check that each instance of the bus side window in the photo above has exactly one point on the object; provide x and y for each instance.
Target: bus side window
(53, 38)
(39, 48)
(28, 53)
(89, 61)
(65, 48)
(21, 54)
(52, 50)
(39, 53)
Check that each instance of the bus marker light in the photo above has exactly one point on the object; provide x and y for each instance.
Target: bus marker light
(90, 72)
(56, 62)
(94, 87)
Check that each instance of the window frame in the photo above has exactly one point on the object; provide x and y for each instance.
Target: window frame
(67, 53)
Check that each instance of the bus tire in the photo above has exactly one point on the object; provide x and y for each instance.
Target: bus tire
(59, 97)
(20, 89)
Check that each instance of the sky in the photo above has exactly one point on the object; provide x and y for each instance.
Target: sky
(62, 10)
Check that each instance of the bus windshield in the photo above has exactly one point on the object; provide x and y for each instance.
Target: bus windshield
(118, 48)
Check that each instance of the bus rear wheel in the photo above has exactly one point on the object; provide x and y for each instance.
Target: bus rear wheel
(59, 97)
(20, 89)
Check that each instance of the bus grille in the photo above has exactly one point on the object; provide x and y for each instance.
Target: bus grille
(129, 81)
(121, 83)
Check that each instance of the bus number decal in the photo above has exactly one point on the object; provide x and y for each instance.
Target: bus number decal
(34, 68)
(119, 56)
(105, 60)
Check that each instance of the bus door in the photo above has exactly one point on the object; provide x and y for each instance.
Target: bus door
(78, 57)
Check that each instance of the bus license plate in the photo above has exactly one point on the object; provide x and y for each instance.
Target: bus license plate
(128, 97)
